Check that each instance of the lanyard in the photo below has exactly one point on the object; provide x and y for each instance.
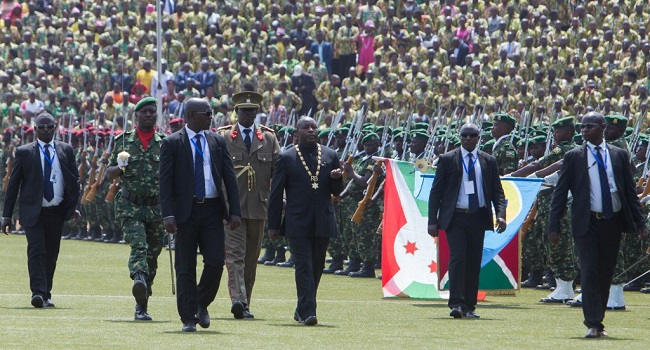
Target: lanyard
(196, 148)
(601, 163)
(46, 155)
(471, 165)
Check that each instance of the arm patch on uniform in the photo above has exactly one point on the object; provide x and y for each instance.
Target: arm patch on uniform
(557, 150)
(510, 154)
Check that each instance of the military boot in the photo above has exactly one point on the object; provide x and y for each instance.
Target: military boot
(534, 279)
(288, 263)
(280, 257)
(103, 234)
(269, 255)
(354, 266)
(94, 234)
(141, 312)
(139, 289)
(83, 233)
(117, 236)
(72, 233)
(337, 264)
(108, 236)
(368, 270)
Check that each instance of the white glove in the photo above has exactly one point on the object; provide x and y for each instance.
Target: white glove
(551, 180)
(532, 176)
(123, 160)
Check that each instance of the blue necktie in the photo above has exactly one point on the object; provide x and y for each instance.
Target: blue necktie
(199, 178)
(608, 208)
(48, 186)
(471, 175)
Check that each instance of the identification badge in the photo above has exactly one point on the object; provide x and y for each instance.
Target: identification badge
(207, 172)
(612, 185)
(53, 177)
(469, 187)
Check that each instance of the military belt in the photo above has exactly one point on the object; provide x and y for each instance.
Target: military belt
(139, 200)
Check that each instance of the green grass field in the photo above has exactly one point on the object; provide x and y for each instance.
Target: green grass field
(95, 311)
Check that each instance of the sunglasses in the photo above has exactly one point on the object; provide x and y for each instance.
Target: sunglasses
(472, 135)
(588, 125)
(45, 126)
(208, 113)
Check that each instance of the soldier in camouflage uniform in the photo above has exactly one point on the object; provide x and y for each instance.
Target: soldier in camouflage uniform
(138, 209)
(504, 151)
(337, 248)
(560, 258)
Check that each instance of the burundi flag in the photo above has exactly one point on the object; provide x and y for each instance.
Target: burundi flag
(414, 264)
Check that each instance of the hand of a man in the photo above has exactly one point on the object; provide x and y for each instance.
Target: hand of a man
(433, 230)
(274, 234)
(554, 237)
(170, 224)
(76, 217)
(6, 223)
(501, 225)
(336, 174)
(233, 222)
(348, 167)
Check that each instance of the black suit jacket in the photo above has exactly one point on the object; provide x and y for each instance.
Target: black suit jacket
(574, 177)
(305, 205)
(446, 186)
(27, 176)
(177, 175)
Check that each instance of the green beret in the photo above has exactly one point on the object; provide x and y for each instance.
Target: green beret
(342, 131)
(643, 139)
(397, 130)
(486, 134)
(539, 133)
(368, 128)
(287, 129)
(277, 127)
(455, 141)
(325, 132)
(486, 124)
(347, 125)
(442, 127)
(577, 138)
(538, 139)
(365, 125)
(247, 99)
(382, 129)
(629, 131)
(421, 126)
(145, 102)
(420, 135)
(488, 145)
(617, 120)
(506, 118)
(370, 138)
(566, 121)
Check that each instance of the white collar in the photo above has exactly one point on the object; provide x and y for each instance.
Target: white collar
(241, 129)
(191, 133)
(465, 152)
(42, 144)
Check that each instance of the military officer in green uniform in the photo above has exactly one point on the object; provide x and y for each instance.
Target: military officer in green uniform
(537, 252)
(504, 151)
(135, 160)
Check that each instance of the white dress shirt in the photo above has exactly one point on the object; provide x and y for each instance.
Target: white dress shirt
(243, 135)
(210, 187)
(463, 196)
(57, 175)
(594, 178)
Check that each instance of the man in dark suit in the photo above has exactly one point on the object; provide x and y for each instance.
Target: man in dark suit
(195, 168)
(323, 49)
(605, 204)
(309, 174)
(205, 77)
(45, 174)
(466, 185)
(459, 49)
(303, 85)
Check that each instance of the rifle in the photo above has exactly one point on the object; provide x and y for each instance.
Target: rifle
(372, 183)
(112, 189)
(453, 119)
(102, 169)
(286, 137)
(335, 126)
(84, 154)
(407, 131)
(91, 177)
(10, 166)
(352, 140)
(637, 127)
(646, 188)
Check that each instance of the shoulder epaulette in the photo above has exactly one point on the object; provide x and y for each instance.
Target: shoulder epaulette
(227, 127)
(266, 128)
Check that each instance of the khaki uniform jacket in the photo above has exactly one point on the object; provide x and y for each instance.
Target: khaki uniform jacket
(253, 169)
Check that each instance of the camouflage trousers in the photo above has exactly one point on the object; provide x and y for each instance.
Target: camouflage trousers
(365, 234)
(143, 230)
(562, 256)
(632, 250)
(346, 234)
(533, 253)
(336, 247)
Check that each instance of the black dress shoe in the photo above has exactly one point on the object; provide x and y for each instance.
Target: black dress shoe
(633, 287)
(471, 314)
(204, 317)
(38, 301)
(48, 303)
(288, 263)
(645, 290)
(296, 317)
(275, 261)
(237, 309)
(189, 326)
(456, 312)
(139, 289)
(248, 314)
(593, 333)
(311, 321)
(141, 313)
(364, 272)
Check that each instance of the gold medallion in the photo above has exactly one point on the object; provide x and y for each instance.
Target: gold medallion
(312, 177)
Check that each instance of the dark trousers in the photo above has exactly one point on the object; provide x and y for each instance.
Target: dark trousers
(309, 256)
(598, 251)
(204, 230)
(43, 243)
(465, 236)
